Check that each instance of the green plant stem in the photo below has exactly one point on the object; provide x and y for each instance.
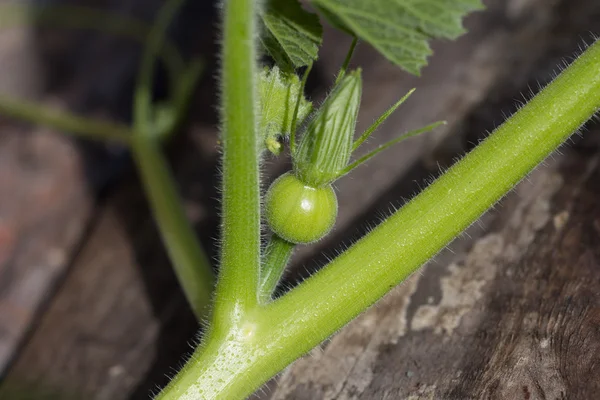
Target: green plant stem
(234, 364)
(240, 249)
(297, 108)
(236, 294)
(64, 121)
(189, 260)
(277, 255)
(347, 60)
(143, 116)
(184, 91)
(79, 17)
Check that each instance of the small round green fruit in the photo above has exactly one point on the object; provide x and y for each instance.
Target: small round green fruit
(299, 213)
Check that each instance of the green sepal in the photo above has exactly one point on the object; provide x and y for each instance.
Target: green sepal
(326, 145)
(278, 94)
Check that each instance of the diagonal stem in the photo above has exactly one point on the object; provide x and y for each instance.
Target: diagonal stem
(401, 244)
(187, 256)
(273, 336)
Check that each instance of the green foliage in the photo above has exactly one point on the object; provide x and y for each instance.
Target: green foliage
(290, 34)
(248, 346)
(278, 92)
(400, 29)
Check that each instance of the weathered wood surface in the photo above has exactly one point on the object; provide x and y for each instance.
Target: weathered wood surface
(118, 323)
(48, 181)
(41, 223)
(45, 204)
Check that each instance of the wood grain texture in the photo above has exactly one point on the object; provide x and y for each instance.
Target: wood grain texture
(44, 204)
(120, 309)
(41, 223)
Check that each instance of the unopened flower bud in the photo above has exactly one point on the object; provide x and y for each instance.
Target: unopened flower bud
(278, 94)
(326, 145)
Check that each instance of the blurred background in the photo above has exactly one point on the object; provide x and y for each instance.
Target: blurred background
(89, 307)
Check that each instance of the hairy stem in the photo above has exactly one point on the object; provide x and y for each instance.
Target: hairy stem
(277, 255)
(347, 60)
(236, 294)
(268, 338)
(405, 241)
(187, 256)
(240, 250)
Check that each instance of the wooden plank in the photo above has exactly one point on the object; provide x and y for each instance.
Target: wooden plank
(48, 182)
(119, 310)
(44, 199)
(41, 223)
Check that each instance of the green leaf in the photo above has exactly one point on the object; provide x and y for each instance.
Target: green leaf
(400, 29)
(291, 35)
(334, 20)
(278, 92)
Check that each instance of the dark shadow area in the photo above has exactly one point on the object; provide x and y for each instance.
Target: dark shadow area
(96, 74)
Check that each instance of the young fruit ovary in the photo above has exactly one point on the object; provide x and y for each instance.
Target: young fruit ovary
(299, 213)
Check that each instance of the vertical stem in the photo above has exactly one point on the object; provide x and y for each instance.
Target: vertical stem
(297, 108)
(189, 260)
(278, 253)
(228, 349)
(240, 250)
(347, 60)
